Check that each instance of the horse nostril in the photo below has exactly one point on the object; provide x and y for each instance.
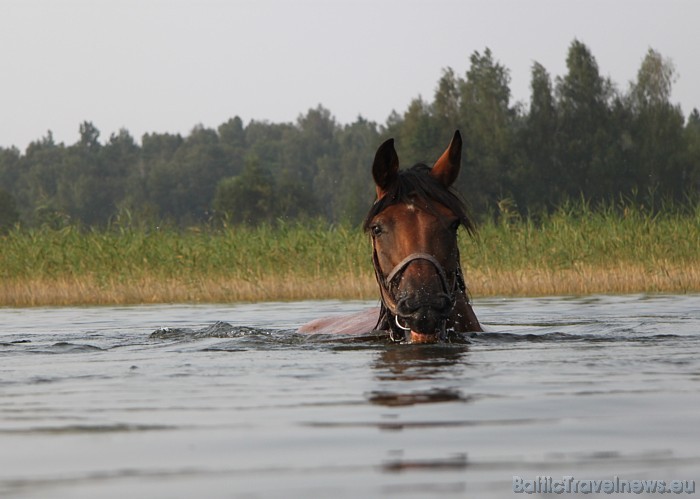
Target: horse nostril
(440, 305)
(443, 303)
(409, 305)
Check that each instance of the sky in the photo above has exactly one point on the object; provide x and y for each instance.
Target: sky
(167, 66)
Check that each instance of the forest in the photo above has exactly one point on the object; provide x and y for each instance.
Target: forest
(581, 137)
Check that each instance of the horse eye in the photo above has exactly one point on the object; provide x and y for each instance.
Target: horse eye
(455, 225)
(376, 230)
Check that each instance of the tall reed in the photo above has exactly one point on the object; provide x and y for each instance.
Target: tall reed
(575, 250)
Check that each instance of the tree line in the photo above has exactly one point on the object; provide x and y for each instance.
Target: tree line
(580, 136)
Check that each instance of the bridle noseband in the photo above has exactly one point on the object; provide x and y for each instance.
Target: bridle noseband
(389, 302)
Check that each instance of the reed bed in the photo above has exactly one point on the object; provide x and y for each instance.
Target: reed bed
(579, 251)
(574, 251)
(129, 265)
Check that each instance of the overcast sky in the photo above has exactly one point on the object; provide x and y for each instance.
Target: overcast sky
(165, 66)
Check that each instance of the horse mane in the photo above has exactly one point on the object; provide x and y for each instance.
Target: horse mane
(417, 182)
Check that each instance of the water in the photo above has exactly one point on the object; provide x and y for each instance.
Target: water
(105, 402)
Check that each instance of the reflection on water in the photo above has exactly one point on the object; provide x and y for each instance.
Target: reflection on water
(216, 401)
(417, 362)
(412, 362)
(430, 396)
(458, 462)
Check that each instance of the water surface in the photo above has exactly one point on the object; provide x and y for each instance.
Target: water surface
(229, 401)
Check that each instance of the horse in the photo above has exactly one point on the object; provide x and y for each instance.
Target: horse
(413, 226)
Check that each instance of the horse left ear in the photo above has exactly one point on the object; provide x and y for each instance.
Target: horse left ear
(446, 168)
(385, 168)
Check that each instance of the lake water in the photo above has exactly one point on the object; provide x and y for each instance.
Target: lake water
(228, 401)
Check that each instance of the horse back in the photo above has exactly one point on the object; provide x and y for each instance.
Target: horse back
(361, 322)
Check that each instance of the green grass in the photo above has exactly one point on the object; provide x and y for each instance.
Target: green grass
(576, 250)
(134, 253)
(577, 235)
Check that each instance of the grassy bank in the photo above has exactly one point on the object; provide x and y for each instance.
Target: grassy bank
(574, 251)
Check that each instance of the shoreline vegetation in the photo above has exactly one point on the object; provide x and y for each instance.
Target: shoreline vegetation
(574, 251)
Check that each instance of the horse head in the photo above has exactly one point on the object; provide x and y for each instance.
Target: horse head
(413, 225)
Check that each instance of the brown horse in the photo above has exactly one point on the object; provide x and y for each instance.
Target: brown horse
(413, 225)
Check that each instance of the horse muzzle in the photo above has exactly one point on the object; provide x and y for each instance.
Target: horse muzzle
(421, 308)
(425, 318)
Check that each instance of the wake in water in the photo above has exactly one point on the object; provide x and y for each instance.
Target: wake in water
(219, 329)
(239, 337)
(593, 332)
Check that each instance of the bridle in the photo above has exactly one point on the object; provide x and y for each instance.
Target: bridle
(389, 302)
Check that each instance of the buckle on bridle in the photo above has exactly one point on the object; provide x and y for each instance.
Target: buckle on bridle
(393, 336)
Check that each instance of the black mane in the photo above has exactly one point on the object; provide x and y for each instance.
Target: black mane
(417, 182)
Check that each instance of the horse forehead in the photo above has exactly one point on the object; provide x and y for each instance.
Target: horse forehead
(414, 210)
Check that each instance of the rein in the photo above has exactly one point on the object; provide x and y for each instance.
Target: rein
(389, 302)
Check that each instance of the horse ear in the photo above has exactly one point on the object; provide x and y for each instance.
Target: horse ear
(446, 168)
(386, 167)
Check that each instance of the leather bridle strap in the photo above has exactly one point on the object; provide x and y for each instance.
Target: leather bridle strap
(418, 256)
(385, 282)
(388, 301)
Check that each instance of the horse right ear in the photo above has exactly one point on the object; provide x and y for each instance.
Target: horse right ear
(446, 168)
(385, 168)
